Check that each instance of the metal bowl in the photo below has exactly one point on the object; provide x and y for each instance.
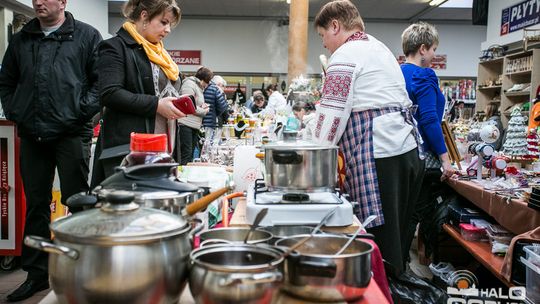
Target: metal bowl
(233, 235)
(280, 232)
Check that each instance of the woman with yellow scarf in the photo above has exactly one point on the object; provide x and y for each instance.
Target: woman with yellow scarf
(138, 81)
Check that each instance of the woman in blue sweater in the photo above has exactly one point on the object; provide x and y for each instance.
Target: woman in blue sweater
(420, 41)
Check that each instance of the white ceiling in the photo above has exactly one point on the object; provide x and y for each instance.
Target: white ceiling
(371, 10)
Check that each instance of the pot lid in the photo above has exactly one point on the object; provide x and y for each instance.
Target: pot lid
(298, 144)
(118, 220)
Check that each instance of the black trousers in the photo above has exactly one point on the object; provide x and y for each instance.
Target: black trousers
(400, 178)
(38, 160)
(186, 143)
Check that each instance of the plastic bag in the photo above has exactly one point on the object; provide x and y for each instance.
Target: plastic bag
(410, 289)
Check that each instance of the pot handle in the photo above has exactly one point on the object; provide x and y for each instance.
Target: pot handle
(214, 241)
(287, 157)
(201, 203)
(44, 244)
(317, 268)
(258, 278)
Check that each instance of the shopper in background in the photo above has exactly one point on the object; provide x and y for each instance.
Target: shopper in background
(48, 87)
(138, 82)
(420, 41)
(189, 126)
(276, 101)
(259, 104)
(249, 102)
(365, 110)
(217, 106)
(221, 83)
(305, 113)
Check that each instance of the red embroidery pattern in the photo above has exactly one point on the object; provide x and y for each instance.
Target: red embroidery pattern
(357, 36)
(337, 84)
(333, 128)
(319, 125)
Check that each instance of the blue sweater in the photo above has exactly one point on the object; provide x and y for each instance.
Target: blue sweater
(423, 88)
(216, 105)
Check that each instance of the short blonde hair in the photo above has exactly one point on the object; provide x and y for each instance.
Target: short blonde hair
(417, 34)
(343, 11)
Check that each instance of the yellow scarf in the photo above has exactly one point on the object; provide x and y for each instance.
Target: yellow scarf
(155, 52)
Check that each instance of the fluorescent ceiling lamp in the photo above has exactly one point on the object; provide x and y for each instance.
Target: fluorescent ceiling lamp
(457, 4)
(436, 2)
(288, 1)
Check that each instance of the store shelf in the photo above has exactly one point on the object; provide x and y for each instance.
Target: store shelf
(495, 87)
(528, 72)
(493, 61)
(481, 251)
(519, 93)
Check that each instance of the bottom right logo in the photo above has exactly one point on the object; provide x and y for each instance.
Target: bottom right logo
(463, 289)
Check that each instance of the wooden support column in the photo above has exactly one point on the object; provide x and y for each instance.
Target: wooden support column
(298, 38)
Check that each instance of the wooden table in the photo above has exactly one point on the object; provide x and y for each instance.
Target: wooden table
(513, 214)
(481, 251)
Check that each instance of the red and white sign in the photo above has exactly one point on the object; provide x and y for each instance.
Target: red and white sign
(438, 62)
(182, 57)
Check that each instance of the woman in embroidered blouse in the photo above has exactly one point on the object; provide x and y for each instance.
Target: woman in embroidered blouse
(420, 41)
(366, 111)
(138, 81)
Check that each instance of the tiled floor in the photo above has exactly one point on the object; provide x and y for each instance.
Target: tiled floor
(9, 281)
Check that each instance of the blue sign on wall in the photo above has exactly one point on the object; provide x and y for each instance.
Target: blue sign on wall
(520, 16)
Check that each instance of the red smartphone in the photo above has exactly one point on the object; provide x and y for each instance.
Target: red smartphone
(186, 104)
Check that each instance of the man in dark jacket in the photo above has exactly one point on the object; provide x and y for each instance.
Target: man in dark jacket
(48, 87)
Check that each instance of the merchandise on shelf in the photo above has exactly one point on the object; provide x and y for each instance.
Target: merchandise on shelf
(516, 137)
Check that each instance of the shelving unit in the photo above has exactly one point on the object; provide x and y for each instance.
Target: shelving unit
(481, 251)
(502, 74)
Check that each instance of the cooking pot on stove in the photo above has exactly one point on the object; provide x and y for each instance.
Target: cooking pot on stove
(316, 273)
(120, 253)
(240, 274)
(299, 165)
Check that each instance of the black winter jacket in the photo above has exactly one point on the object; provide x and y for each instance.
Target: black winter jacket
(48, 85)
(126, 89)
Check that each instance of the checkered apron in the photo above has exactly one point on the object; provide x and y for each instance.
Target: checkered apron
(356, 145)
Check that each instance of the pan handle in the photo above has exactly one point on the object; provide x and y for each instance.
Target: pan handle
(258, 278)
(287, 157)
(201, 203)
(44, 244)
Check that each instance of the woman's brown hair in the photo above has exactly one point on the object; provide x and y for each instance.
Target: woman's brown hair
(133, 8)
(343, 11)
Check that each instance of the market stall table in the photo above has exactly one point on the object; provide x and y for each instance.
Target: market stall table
(372, 295)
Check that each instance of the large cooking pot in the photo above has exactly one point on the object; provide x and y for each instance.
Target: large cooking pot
(233, 235)
(315, 273)
(119, 253)
(240, 274)
(300, 165)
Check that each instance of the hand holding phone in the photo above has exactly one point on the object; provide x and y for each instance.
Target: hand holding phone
(186, 104)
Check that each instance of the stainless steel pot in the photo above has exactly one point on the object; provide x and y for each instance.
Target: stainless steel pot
(242, 274)
(300, 166)
(233, 235)
(120, 253)
(280, 232)
(316, 273)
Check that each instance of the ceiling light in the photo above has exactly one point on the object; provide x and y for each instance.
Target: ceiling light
(458, 4)
(436, 2)
(288, 1)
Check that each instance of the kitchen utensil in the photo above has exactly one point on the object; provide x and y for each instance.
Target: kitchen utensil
(315, 230)
(353, 237)
(238, 273)
(260, 216)
(296, 165)
(315, 273)
(233, 235)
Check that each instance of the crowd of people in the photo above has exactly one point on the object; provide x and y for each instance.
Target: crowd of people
(369, 107)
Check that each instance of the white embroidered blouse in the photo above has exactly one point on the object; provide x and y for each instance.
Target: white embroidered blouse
(363, 74)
